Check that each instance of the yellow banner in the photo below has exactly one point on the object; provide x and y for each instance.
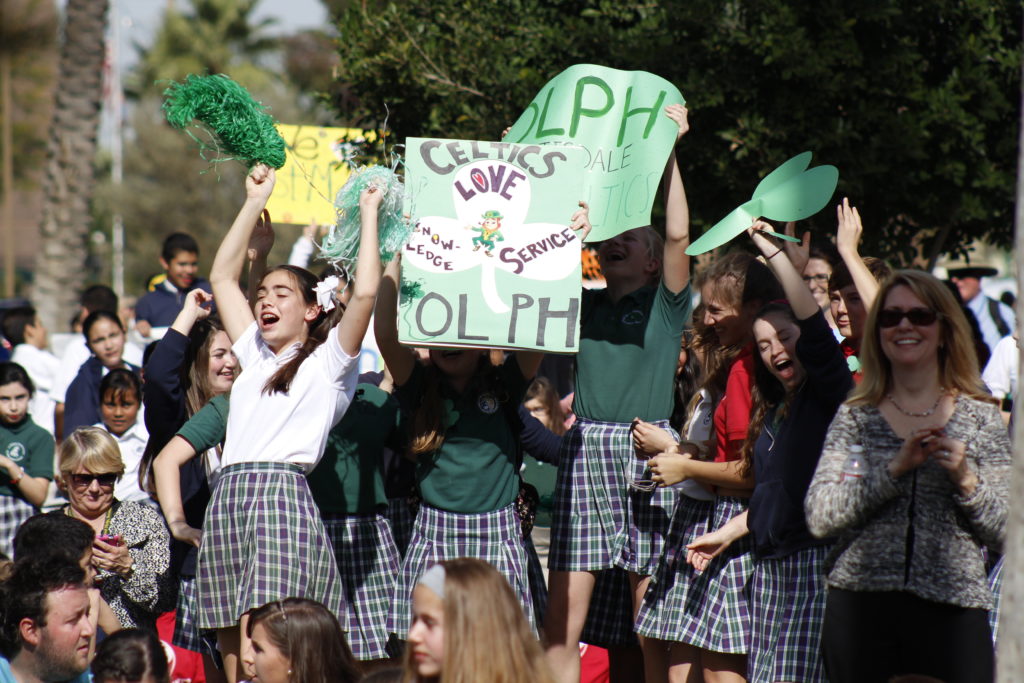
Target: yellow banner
(315, 170)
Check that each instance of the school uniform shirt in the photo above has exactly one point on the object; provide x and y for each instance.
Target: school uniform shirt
(160, 307)
(990, 331)
(82, 403)
(75, 355)
(42, 367)
(732, 415)
(476, 469)
(131, 444)
(350, 477)
(786, 454)
(293, 427)
(31, 447)
(1000, 375)
(628, 353)
(205, 432)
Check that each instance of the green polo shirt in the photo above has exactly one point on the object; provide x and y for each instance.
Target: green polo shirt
(629, 350)
(30, 446)
(476, 469)
(349, 479)
(207, 427)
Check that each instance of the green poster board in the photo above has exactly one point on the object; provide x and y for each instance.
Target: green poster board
(618, 117)
(492, 262)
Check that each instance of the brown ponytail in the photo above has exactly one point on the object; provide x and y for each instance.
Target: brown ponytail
(281, 381)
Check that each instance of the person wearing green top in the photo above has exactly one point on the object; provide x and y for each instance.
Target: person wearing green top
(629, 347)
(465, 444)
(26, 455)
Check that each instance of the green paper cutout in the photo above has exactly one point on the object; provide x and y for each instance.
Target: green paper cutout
(789, 193)
(618, 118)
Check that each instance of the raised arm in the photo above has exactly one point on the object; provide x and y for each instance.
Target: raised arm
(260, 244)
(675, 262)
(352, 328)
(166, 469)
(847, 239)
(800, 297)
(400, 360)
(227, 264)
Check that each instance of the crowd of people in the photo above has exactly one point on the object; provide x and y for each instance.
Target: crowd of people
(802, 479)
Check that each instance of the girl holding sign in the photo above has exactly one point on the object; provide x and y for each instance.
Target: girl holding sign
(262, 538)
(463, 415)
(629, 348)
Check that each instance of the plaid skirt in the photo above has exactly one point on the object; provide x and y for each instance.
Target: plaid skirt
(995, 583)
(493, 537)
(535, 575)
(706, 609)
(187, 635)
(13, 512)
(787, 610)
(262, 541)
(401, 516)
(368, 563)
(610, 616)
(598, 522)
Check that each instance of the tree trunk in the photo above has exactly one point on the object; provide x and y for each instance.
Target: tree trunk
(69, 181)
(1010, 658)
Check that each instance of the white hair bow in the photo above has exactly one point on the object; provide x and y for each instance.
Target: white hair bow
(325, 292)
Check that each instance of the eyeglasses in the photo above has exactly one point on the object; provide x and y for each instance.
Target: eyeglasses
(84, 481)
(922, 317)
(820, 277)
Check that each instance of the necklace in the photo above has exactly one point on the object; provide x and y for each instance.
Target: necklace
(910, 413)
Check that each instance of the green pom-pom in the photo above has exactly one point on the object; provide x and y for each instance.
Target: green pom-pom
(341, 246)
(239, 125)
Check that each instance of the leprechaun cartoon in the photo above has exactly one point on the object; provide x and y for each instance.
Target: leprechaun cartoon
(490, 232)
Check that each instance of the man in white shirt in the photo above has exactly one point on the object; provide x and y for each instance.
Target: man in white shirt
(995, 319)
(27, 334)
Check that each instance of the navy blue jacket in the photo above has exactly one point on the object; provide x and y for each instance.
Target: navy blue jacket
(82, 402)
(786, 456)
(160, 307)
(164, 399)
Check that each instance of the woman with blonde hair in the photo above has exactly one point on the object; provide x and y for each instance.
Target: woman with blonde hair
(131, 551)
(468, 626)
(913, 480)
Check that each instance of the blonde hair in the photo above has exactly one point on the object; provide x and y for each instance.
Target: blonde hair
(486, 636)
(958, 364)
(92, 449)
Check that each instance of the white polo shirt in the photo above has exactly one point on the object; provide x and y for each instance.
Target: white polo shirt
(293, 427)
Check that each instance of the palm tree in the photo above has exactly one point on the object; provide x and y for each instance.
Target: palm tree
(69, 179)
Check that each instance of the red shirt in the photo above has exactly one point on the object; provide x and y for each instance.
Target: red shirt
(732, 415)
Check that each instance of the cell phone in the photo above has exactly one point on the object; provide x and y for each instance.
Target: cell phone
(112, 539)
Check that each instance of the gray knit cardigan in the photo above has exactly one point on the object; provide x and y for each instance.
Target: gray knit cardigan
(914, 533)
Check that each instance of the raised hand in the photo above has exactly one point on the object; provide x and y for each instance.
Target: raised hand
(580, 222)
(849, 228)
(680, 114)
(260, 182)
(262, 239)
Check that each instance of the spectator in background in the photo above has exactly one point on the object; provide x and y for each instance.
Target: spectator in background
(29, 339)
(179, 258)
(44, 627)
(1000, 375)
(120, 403)
(995, 319)
(94, 298)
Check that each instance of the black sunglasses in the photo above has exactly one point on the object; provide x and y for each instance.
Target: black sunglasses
(922, 317)
(84, 481)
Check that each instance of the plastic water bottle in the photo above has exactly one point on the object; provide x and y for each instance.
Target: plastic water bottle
(854, 466)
